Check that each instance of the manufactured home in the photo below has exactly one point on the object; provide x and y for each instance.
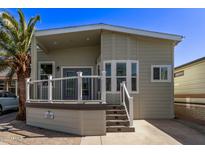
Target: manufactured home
(96, 78)
(189, 86)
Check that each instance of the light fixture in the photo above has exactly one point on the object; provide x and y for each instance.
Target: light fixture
(54, 42)
(87, 39)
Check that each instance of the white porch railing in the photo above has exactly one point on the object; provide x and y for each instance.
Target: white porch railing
(76, 88)
(127, 101)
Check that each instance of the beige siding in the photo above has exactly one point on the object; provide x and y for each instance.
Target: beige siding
(70, 121)
(193, 81)
(81, 56)
(155, 100)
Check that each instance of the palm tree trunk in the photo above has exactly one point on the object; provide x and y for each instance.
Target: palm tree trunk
(21, 115)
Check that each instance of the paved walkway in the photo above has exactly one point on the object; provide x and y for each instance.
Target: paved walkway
(2, 143)
(20, 133)
(151, 132)
(146, 132)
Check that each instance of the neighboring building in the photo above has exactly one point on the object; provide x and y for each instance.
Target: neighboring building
(189, 86)
(6, 86)
(189, 82)
(144, 59)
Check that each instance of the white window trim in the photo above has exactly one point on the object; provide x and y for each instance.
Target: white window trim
(46, 62)
(128, 75)
(111, 76)
(169, 78)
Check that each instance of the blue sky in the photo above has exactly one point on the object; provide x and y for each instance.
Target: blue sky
(187, 22)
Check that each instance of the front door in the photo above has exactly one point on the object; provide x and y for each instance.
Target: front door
(70, 86)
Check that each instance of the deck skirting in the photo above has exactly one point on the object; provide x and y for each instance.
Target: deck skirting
(82, 120)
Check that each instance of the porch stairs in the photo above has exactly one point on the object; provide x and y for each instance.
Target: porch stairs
(117, 120)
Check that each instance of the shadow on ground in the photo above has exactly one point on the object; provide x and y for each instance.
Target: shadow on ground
(184, 132)
(27, 131)
(7, 119)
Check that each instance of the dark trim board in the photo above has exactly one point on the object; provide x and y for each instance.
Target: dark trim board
(185, 103)
(68, 106)
(189, 95)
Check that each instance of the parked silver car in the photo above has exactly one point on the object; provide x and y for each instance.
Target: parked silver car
(8, 101)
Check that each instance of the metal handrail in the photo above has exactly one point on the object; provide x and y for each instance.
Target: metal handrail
(79, 78)
(123, 92)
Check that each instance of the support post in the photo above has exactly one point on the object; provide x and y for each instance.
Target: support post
(131, 110)
(123, 92)
(27, 90)
(50, 89)
(80, 94)
(103, 87)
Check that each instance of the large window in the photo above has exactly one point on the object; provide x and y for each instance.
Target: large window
(118, 71)
(161, 73)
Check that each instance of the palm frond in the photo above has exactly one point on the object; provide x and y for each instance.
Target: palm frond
(6, 54)
(7, 16)
(23, 25)
(31, 29)
(22, 20)
(9, 29)
(6, 43)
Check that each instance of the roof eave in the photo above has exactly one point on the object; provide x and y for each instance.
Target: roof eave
(159, 35)
(190, 63)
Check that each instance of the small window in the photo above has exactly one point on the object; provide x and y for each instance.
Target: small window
(161, 73)
(164, 73)
(156, 73)
(178, 74)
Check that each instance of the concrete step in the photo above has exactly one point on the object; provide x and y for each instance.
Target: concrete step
(115, 107)
(120, 129)
(116, 117)
(117, 123)
(116, 111)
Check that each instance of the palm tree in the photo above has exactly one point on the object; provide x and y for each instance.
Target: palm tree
(15, 42)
